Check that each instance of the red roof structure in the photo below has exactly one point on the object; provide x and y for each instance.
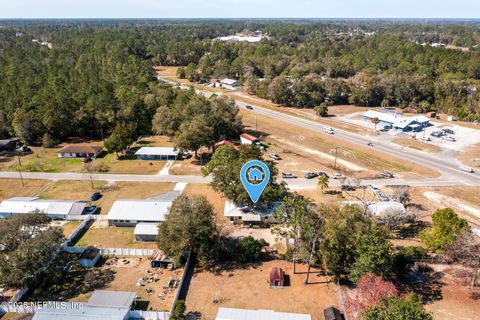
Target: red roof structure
(277, 278)
(248, 137)
(225, 143)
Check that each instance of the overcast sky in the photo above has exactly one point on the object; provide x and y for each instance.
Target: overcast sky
(239, 8)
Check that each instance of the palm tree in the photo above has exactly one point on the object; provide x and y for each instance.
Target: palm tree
(322, 182)
(376, 121)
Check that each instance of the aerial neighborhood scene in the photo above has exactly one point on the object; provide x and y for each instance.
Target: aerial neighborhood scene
(239, 160)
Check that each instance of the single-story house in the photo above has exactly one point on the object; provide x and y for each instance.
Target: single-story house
(246, 138)
(232, 83)
(102, 305)
(146, 231)
(397, 121)
(249, 216)
(128, 213)
(80, 151)
(244, 314)
(225, 143)
(277, 278)
(157, 153)
(9, 144)
(54, 209)
(89, 257)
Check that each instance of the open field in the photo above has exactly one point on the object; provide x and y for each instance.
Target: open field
(186, 167)
(103, 236)
(417, 145)
(118, 274)
(170, 73)
(67, 226)
(471, 156)
(13, 188)
(215, 198)
(302, 140)
(247, 288)
(82, 190)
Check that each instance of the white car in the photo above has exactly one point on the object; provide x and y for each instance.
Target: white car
(448, 138)
(329, 131)
(467, 169)
(338, 176)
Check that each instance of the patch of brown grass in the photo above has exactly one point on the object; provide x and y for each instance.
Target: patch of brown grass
(417, 145)
(471, 156)
(113, 237)
(13, 188)
(215, 198)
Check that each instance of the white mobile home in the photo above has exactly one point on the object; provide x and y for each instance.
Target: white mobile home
(128, 213)
(54, 209)
(157, 153)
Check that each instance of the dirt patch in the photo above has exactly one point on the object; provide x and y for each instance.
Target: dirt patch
(248, 289)
(471, 156)
(417, 145)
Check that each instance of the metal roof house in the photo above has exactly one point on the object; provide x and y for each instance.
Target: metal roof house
(109, 305)
(397, 121)
(244, 314)
(249, 216)
(246, 138)
(146, 231)
(128, 213)
(54, 209)
(157, 153)
(229, 82)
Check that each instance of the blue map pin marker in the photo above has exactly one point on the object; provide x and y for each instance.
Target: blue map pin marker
(255, 176)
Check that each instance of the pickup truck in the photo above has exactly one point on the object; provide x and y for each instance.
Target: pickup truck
(329, 131)
(288, 175)
(467, 169)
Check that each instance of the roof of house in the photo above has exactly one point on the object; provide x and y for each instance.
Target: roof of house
(80, 148)
(226, 143)
(149, 229)
(228, 81)
(158, 151)
(110, 305)
(243, 314)
(139, 210)
(32, 204)
(248, 137)
(251, 217)
(4, 142)
(112, 299)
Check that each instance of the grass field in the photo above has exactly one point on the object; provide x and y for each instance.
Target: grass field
(417, 145)
(112, 237)
(471, 156)
(13, 188)
(82, 190)
(215, 198)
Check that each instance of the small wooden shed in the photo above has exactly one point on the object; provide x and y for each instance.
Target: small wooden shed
(277, 278)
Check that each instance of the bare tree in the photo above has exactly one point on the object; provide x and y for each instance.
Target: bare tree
(401, 194)
(466, 251)
(395, 218)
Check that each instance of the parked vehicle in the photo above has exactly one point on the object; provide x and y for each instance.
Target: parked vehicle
(186, 155)
(448, 130)
(346, 187)
(92, 210)
(329, 131)
(448, 138)
(288, 175)
(323, 174)
(338, 176)
(274, 156)
(467, 169)
(311, 175)
(25, 149)
(437, 134)
(249, 107)
(96, 196)
(388, 175)
(87, 160)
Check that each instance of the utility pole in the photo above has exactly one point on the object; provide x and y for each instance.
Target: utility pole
(20, 169)
(256, 126)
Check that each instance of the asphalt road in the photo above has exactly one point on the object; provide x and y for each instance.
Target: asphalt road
(446, 165)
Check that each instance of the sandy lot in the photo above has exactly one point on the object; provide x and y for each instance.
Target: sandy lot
(248, 288)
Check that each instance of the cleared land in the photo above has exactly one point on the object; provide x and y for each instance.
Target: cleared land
(417, 145)
(103, 236)
(186, 167)
(298, 138)
(248, 288)
(82, 190)
(118, 274)
(13, 188)
(471, 156)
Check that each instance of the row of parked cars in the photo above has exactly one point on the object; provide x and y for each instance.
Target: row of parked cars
(444, 134)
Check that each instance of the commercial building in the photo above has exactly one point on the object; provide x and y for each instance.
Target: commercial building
(244, 314)
(80, 151)
(157, 153)
(54, 209)
(395, 120)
